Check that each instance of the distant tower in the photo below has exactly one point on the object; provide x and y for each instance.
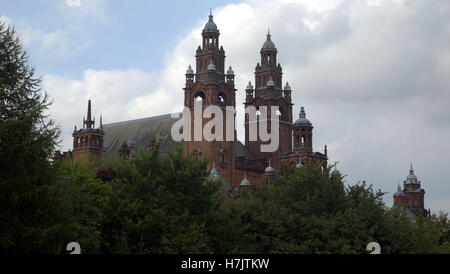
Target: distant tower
(269, 92)
(412, 195)
(211, 86)
(88, 141)
(302, 131)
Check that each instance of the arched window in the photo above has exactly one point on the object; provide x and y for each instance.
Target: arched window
(199, 96)
(303, 139)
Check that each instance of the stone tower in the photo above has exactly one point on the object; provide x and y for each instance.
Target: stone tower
(302, 132)
(269, 92)
(412, 195)
(211, 87)
(88, 141)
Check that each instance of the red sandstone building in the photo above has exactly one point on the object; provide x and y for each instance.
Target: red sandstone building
(234, 162)
(411, 197)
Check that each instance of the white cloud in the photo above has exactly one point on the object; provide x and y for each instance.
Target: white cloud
(83, 9)
(57, 43)
(373, 77)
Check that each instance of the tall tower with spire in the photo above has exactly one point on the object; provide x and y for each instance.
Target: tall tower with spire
(269, 92)
(88, 141)
(210, 86)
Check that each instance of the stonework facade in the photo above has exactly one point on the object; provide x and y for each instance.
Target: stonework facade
(213, 85)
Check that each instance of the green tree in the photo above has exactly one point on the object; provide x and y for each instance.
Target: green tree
(27, 141)
(43, 206)
(167, 204)
(309, 210)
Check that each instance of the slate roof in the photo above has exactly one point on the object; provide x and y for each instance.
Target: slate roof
(139, 132)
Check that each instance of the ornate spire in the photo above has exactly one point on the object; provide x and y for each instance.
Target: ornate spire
(88, 123)
(89, 111)
(230, 71)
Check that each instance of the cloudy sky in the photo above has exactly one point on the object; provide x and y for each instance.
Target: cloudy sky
(373, 76)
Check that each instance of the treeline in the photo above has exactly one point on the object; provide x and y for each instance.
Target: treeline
(171, 204)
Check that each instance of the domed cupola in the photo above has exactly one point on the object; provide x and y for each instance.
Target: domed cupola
(245, 181)
(214, 175)
(210, 27)
(302, 121)
(411, 178)
(249, 86)
(287, 87)
(268, 44)
(399, 192)
(189, 71)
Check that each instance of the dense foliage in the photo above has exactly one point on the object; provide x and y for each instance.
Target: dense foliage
(169, 204)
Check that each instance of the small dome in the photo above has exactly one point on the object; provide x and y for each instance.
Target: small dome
(287, 87)
(399, 192)
(210, 26)
(189, 70)
(249, 86)
(302, 121)
(411, 178)
(214, 175)
(269, 168)
(270, 83)
(244, 181)
(211, 66)
(268, 45)
(230, 71)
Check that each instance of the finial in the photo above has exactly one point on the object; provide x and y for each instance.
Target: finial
(210, 11)
(302, 113)
(101, 122)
